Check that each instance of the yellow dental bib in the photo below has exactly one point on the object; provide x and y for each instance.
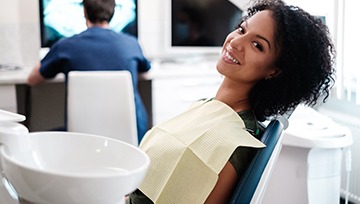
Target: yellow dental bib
(188, 152)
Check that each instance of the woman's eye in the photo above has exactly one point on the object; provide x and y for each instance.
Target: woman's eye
(258, 46)
(240, 29)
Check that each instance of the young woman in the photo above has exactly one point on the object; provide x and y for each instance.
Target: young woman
(278, 57)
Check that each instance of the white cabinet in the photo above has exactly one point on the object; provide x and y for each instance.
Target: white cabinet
(8, 97)
(176, 87)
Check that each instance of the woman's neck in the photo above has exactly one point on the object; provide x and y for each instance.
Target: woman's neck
(234, 96)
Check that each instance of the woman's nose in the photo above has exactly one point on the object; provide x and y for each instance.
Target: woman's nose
(237, 43)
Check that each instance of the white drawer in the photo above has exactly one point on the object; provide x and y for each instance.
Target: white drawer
(175, 95)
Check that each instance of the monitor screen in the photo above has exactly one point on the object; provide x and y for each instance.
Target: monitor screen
(202, 23)
(64, 18)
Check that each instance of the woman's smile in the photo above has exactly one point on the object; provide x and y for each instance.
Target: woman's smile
(227, 57)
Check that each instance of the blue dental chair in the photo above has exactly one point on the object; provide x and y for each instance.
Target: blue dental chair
(252, 184)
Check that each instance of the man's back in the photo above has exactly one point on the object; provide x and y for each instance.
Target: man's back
(95, 49)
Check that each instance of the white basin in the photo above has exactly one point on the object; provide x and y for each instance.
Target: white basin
(310, 129)
(10, 116)
(65, 167)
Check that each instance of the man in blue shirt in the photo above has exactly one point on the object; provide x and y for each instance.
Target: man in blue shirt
(97, 48)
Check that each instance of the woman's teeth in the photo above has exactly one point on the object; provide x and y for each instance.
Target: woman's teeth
(231, 58)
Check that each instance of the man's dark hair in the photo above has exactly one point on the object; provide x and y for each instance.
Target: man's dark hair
(99, 10)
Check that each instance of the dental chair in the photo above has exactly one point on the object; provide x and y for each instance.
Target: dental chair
(252, 185)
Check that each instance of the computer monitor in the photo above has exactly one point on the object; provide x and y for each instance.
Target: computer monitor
(200, 26)
(64, 18)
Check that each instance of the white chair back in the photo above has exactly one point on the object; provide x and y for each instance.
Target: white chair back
(102, 103)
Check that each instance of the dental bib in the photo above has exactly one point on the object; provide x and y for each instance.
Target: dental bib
(188, 152)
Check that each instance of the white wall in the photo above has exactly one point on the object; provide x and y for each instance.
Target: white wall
(19, 32)
(152, 14)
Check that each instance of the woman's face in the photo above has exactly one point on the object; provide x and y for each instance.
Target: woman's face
(249, 52)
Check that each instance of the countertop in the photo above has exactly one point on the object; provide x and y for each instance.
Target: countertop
(160, 69)
(20, 76)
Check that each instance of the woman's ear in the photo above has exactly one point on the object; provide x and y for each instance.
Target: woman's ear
(275, 73)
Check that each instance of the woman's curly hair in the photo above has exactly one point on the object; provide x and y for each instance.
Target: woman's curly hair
(306, 60)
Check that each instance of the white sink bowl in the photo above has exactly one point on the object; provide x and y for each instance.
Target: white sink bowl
(66, 168)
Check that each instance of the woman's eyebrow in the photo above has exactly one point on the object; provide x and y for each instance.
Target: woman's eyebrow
(266, 40)
(259, 36)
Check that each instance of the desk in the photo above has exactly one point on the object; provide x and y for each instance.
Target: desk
(167, 90)
(44, 104)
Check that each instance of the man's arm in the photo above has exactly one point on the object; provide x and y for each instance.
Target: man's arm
(35, 77)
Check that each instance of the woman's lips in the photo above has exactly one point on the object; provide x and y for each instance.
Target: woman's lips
(228, 56)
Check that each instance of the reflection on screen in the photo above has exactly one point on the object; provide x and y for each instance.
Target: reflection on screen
(202, 23)
(64, 18)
